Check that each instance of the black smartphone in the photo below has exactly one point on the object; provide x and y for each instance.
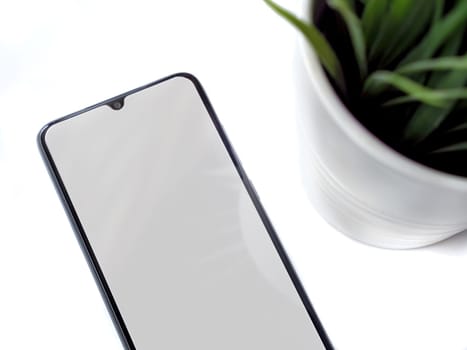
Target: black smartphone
(179, 244)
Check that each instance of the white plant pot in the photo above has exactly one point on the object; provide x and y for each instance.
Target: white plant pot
(362, 187)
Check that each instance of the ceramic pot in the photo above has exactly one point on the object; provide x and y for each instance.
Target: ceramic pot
(361, 186)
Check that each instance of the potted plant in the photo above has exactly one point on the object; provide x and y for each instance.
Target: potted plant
(385, 138)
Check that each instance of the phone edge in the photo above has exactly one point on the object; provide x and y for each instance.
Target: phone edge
(262, 213)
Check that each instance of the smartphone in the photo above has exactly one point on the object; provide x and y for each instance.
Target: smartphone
(172, 228)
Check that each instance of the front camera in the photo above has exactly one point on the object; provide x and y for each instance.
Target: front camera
(117, 104)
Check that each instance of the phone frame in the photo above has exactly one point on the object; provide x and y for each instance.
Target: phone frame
(86, 246)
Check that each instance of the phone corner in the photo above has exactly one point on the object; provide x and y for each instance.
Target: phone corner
(42, 134)
(186, 75)
(40, 137)
(189, 76)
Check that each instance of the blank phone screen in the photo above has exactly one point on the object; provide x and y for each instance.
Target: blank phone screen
(162, 207)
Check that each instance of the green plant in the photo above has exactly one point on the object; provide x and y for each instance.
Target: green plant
(400, 66)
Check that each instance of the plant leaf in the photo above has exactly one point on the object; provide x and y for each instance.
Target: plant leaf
(435, 64)
(317, 41)
(435, 98)
(439, 33)
(354, 27)
(380, 80)
(452, 45)
(351, 3)
(408, 21)
(426, 119)
(450, 48)
(457, 147)
(460, 127)
(373, 14)
(393, 23)
(438, 13)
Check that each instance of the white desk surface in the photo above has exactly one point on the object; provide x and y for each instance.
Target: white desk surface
(57, 57)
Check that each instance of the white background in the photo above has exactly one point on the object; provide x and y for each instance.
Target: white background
(57, 57)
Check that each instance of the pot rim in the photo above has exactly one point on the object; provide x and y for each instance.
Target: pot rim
(362, 137)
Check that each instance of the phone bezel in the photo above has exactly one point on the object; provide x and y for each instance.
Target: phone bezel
(85, 244)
